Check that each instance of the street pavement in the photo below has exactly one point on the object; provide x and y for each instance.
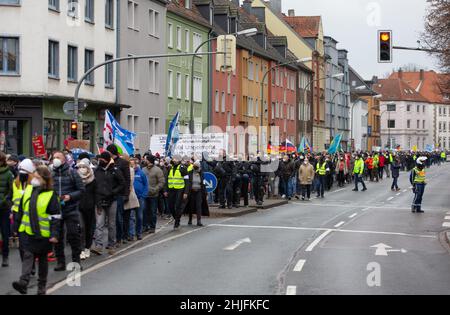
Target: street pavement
(347, 243)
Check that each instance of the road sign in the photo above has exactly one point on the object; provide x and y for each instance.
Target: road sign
(69, 106)
(210, 181)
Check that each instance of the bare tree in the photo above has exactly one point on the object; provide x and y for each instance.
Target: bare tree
(437, 31)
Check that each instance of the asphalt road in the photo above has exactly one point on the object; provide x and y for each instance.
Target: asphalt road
(318, 247)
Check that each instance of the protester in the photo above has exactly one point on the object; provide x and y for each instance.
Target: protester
(156, 183)
(6, 191)
(140, 185)
(131, 206)
(306, 176)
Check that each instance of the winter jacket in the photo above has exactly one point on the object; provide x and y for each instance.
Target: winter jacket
(124, 168)
(286, 169)
(395, 169)
(66, 181)
(109, 183)
(338, 167)
(6, 180)
(140, 183)
(156, 180)
(306, 174)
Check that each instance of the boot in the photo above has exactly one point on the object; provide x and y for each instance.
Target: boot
(42, 288)
(20, 286)
(60, 267)
(5, 261)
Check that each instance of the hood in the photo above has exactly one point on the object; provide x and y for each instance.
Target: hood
(4, 169)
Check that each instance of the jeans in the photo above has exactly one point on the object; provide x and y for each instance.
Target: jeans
(394, 183)
(5, 229)
(321, 186)
(417, 202)
(136, 220)
(285, 187)
(152, 211)
(106, 219)
(306, 191)
(359, 179)
(119, 218)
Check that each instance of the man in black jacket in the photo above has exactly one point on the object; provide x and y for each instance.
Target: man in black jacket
(109, 182)
(122, 197)
(69, 187)
(6, 180)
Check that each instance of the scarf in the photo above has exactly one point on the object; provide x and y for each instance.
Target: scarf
(86, 173)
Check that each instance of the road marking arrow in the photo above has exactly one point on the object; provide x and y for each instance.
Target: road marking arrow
(383, 250)
(237, 244)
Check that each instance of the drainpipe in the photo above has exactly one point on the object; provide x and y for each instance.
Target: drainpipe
(117, 52)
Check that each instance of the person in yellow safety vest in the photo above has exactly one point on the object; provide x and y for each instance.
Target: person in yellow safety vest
(321, 171)
(358, 171)
(443, 156)
(418, 180)
(38, 222)
(177, 188)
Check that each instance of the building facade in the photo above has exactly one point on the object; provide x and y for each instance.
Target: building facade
(50, 45)
(142, 31)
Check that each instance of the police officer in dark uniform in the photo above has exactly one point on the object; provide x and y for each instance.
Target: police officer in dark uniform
(224, 172)
(236, 178)
(244, 172)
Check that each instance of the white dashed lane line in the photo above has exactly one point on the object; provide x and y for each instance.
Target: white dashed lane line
(398, 194)
(291, 290)
(317, 240)
(339, 224)
(299, 266)
(353, 215)
(446, 224)
(447, 218)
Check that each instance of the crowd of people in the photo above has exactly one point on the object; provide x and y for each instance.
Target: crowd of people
(95, 204)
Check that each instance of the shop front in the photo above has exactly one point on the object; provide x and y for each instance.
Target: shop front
(20, 120)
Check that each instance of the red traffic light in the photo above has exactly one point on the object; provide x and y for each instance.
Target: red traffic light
(74, 126)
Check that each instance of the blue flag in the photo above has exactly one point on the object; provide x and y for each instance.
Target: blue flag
(114, 133)
(335, 144)
(173, 135)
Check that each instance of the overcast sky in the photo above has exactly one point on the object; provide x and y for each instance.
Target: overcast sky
(354, 24)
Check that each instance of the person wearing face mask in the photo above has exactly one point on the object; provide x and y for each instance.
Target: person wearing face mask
(306, 176)
(109, 182)
(156, 183)
(6, 191)
(140, 185)
(177, 189)
(197, 203)
(87, 206)
(358, 172)
(417, 179)
(341, 171)
(285, 172)
(70, 188)
(38, 224)
(321, 171)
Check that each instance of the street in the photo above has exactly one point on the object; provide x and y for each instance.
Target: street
(325, 246)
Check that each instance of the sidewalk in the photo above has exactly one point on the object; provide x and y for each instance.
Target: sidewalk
(215, 212)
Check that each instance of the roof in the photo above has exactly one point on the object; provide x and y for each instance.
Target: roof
(306, 26)
(397, 90)
(367, 91)
(432, 87)
(177, 7)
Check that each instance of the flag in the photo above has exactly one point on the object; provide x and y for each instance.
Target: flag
(335, 144)
(113, 133)
(287, 147)
(414, 148)
(301, 147)
(429, 148)
(173, 135)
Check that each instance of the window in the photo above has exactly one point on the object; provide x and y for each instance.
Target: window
(440, 111)
(250, 70)
(234, 104)
(277, 77)
(53, 59)
(178, 85)
(9, 55)
(170, 86)
(52, 4)
(440, 126)
(445, 111)
(418, 124)
(423, 108)
(418, 108)
(187, 42)
(444, 127)
(197, 41)
(170, 32)
(256, 108)
(277, 110)
(109, 72)
(216, 102)
(250, 107)
(72, 63)
(153, 27)
(391, 123)
(132, 15)
(423, 124)
(273, 77)
(133, 74)
(229, 83)
(109, 13)
(257, 72)
(187, 4)
(179, 38)
(154, 76)
(88, 64)
(408, 123)
(391, 107)
(188, 86)
(273, 110)
(198, 90)
(72, 8)
(89, 11)
(51, 132)
(223, 102)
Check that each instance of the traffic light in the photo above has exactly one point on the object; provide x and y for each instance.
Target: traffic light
(384, 46)
(74, 130)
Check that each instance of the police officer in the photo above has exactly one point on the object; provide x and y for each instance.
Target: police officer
(244, 172)
(177, 189)
(258, 180)
(321, 171)
(237, 182)
(358, 171)
(418, 180)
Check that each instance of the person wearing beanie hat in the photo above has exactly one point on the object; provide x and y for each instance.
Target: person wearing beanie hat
(109, 183)
(122, 197)
(83, 155)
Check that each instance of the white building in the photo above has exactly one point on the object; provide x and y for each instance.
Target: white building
(406, 116)
(47, 46)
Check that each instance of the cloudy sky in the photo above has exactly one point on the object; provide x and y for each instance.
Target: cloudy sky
(354, 24)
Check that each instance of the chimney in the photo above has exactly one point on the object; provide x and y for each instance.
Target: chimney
(247, 6)
(375, 79)
(422, 75)
(275, 5)
(291, 13)
(400, 74)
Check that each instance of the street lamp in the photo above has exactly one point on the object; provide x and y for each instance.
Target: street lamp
(301, 60)
(247, 33)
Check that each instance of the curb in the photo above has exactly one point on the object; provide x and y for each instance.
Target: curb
(244, 211)
(273, 205)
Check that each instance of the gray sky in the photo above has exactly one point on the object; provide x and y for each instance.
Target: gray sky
(354, 24)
